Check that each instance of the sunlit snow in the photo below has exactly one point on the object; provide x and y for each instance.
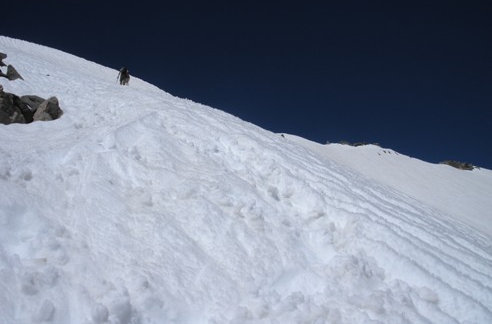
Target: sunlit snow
(139, 207)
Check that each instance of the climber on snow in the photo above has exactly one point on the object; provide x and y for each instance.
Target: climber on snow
(124, 76)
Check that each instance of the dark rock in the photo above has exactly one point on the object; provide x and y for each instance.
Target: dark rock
(9, 112)
(48, 110)
(2, 56)
(459, 165)
(26, 111)
(32, 101)
(12, 73)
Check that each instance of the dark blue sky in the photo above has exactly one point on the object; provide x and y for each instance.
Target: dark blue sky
(413, 76)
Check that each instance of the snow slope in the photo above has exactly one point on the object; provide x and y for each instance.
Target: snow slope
(462, 195)
(139, 207)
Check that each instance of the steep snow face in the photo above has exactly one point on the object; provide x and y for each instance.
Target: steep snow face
(139, 207)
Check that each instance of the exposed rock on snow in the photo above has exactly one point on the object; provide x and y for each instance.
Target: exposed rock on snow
(10, 112)
(26, 108)
(48, 110)
(12, 73)
(32, 102)
(2, 57)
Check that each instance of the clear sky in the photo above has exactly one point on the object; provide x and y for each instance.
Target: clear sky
(413, 76)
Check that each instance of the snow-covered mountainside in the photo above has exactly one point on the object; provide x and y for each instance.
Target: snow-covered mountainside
(140, 207)
(466, 196)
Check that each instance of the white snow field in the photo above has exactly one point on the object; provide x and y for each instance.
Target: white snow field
(139, 207)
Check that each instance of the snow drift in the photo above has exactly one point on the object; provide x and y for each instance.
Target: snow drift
(140, 207)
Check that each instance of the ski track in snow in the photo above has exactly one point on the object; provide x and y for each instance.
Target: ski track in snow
(139, 207)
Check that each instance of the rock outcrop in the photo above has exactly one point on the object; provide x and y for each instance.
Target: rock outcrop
(2, 56)
(48, 110)
(25, 109)
(12, 73)
(32, 101)
(9, 111)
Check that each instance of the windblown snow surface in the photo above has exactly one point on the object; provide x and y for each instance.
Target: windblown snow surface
(139, 207)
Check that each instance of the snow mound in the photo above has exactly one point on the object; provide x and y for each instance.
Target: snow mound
(139, 207)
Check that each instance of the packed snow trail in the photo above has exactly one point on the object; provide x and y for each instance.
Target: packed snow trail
(139, 207)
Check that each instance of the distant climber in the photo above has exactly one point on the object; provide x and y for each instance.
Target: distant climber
(124, 76)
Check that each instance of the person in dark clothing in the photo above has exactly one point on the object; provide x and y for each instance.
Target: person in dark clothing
(124, 76)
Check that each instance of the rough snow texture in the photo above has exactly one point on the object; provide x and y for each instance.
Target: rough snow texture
(139, 207)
